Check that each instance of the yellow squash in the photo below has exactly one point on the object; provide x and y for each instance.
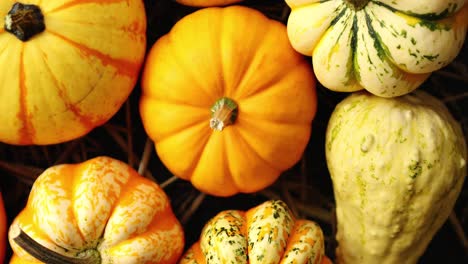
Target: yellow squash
(98, 211)
(66, 66)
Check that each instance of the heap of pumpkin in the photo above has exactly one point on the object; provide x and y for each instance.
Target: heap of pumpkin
(242, 101)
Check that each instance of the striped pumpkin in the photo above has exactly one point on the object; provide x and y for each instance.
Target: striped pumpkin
(386, 47)
(267, 233)
(67, 65)
(98, 211)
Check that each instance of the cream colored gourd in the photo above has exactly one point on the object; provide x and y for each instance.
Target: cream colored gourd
(387, 47)
(397, 166)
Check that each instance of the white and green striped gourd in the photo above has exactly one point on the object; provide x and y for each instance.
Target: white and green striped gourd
(387, 47)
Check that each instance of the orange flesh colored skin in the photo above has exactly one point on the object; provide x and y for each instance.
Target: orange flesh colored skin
(74, 75)
(234, 52)
(100, 204)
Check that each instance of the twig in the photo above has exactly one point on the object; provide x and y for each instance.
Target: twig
(84, 154)
(145, 156)
(269, 194)
(457, 227)
(46, 154)
(69, 150)
(455, 97)
(452, 75)
(121, 142)
(303, 192)
(26, 174)
(315, 212)
(193, 208)
(168, 181)
(289, 201)
(128, 121)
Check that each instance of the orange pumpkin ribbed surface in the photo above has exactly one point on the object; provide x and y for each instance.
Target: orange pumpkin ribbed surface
(237, 65)
(67, 66)
(98, 211)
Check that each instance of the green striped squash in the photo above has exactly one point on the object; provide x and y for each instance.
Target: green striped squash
(387, 47)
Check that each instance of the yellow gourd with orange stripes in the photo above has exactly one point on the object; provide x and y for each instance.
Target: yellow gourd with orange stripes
(67, 66)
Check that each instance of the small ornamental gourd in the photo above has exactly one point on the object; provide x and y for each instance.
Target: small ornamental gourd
(207, 3)
(97, 211)
(3, 228)
(384, 46)
(66, 66)
(233, 109)
(397, 167)
(267, 233)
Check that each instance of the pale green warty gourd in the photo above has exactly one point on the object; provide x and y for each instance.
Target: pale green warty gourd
(397, 167)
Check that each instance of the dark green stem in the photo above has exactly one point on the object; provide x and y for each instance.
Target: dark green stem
(223, 113)
(24, 21)
(42, 253)
(358, 4)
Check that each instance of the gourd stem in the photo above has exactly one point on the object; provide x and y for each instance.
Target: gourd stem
(48, 256)
(24, 21)
(358, 4)
(223, 113)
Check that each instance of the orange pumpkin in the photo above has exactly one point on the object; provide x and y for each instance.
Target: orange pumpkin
(267, 233)
(206, 3)
(227, 100)
(98, 211)
(67, 66)
(3, 227)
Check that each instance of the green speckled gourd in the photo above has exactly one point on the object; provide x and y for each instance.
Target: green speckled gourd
(397, 167)
(265, 234)
(387, 47)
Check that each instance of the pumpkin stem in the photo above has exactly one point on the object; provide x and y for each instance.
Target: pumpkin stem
(223, 113)
(24, 21)
(358, 4)
(42, 253)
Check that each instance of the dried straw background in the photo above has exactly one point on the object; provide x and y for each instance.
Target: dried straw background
(306, 187)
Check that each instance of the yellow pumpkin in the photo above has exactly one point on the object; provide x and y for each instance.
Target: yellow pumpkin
(267, 233)
(67, 66)
(227, 100)
(98, 211)
(207, 3)
(386, 47)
